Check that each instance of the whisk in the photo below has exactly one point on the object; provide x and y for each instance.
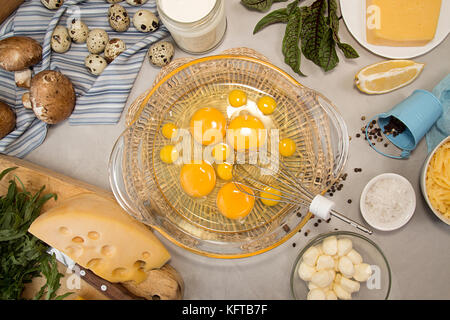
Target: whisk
(281, 185)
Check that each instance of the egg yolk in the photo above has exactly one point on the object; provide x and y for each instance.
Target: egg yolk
(233, 203)
(197, 179)
(267, 105)
(220, 152)
(169, 130)
(287, 147)
(225, 171)
(270, 196)
(168, 154)
(208, 126)
(237, 98)
(245, 132)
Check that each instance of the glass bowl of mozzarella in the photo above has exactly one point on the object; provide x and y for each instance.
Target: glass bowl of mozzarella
(341, 265)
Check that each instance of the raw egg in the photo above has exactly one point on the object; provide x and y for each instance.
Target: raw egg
(271, 196)
(169, 130)
(245, 132)
(267, 105)
(220, 152)
(233, 203)
(208, 126)
(237, 98)
(197, 179)
(287, 147)
(225, 171)
(168, 154)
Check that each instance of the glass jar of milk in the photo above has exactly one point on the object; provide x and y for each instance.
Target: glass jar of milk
(197, 26)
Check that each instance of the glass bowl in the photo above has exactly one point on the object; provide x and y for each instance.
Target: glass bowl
(148, 189)
(377, 287)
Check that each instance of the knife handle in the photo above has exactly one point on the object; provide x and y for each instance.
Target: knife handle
(114, 291)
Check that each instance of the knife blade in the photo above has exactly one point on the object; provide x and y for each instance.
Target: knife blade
(114, 291)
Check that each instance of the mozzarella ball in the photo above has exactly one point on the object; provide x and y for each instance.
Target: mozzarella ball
(312, 286)
(362, 272)
(324, 262)
(310, 256)
(329, 246)
(330, 295)
(346, 267)
(78, 31)
(305, 271)
(322, 279)
(349, 285)
(60, 40)
(96, 40)
(316, 294)
(355, 257)
(341, 293)
(344, 246)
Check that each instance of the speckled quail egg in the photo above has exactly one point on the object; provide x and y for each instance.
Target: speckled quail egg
(78, 31)
(60, 41)
(52, 4)
(113, 1)
(118, 18)
(113, 48)
(95, 63)
(136, 2)
(145, 21)
(160, 53)
(96, 40)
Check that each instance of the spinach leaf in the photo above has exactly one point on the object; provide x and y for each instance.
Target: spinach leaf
(260, 5)
(290, 49)
(276, 16)
(313, 30)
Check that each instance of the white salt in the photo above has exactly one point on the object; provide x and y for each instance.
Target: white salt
(388, 200)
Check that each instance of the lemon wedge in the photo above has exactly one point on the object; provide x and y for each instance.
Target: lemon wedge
(387, 76)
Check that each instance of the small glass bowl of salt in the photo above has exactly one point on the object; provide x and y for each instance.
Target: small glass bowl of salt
(388, 202)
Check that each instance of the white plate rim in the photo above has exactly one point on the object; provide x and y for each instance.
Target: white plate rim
(401, 222)
(351, 23)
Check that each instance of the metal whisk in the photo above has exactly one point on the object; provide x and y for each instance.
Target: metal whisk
(285, 188)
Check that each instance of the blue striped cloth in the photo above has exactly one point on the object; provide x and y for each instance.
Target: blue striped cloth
(100, 99)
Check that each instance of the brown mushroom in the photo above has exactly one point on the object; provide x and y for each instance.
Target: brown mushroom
(52, 96)
(18, 54)
(7, 120)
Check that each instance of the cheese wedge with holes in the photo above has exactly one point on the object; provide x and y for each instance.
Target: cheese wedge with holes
(96, 233)
(402, 23)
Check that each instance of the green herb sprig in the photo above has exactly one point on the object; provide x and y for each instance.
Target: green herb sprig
(22, 255)
(316, 27)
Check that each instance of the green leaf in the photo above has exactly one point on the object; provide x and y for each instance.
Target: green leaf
(276, 16)
(260, 5)
(328, 58)
(291, 51)
(314, 27)
(348, 50)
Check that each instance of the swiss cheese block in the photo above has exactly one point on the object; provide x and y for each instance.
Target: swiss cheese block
(96, 233)
(402, 23)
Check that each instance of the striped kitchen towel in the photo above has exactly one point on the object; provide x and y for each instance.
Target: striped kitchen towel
(100, 99)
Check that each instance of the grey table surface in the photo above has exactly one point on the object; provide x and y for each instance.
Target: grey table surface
(418, 253)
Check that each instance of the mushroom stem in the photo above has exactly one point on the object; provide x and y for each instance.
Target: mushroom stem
(26, 101)
(23, 78)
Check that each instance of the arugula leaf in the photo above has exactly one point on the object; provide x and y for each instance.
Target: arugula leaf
(276, 16)
(260, 5)
(22, 255)
(290, 49)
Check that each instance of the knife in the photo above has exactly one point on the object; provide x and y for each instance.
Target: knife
(114, 291)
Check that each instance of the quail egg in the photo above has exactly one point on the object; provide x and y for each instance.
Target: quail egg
(78, 31)
(113, 1)
(136, 2)
(52, 4)
(95, 63)
(113, 48)
(118, 18)
(96, 40)
(60, 41)
(160, 53)
(145, 21)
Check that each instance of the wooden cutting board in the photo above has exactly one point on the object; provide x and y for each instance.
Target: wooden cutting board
(164, 283)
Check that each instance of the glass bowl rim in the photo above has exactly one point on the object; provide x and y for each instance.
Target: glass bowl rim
(338, 233)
